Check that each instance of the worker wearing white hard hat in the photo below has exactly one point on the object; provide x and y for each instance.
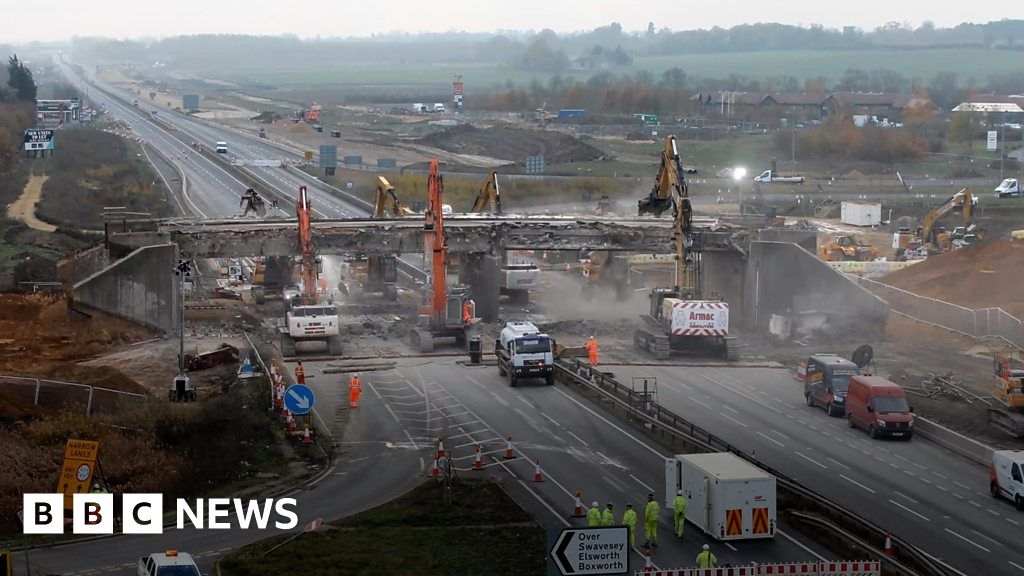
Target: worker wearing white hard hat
(594, 514)
(706, 559)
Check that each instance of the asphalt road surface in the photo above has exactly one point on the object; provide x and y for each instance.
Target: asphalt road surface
(933, 498)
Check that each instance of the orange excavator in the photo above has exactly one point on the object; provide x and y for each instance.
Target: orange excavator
(306, 317)
(448, 313)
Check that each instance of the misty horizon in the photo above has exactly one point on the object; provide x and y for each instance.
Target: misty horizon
(117, 19)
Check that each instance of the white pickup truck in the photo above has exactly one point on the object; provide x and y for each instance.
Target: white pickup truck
(524, 352)
(768, 176)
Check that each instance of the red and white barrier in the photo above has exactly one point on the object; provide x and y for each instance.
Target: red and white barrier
(841, 568)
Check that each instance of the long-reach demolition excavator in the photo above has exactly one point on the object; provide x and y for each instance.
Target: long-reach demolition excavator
(679, 319)
(306, 318)
(448, 313)
(362, 274)
(517, 278)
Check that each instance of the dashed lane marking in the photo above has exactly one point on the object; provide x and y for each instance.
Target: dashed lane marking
(852, 481)
(770, 439)
(921, 516)
(968, 540)
(811, 460)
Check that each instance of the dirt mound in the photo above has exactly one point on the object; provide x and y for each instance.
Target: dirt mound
(854, 175)
(986, 274)
(513, 144)
(37, 330)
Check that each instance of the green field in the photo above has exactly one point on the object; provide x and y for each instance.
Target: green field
(970, 64)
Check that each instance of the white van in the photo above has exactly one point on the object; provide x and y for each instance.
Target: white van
(169, 563)
(222, 147)
(1006, 476)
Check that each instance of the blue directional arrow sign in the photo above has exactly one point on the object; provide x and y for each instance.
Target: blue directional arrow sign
(298, 399)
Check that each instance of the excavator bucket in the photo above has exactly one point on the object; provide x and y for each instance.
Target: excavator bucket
(252, 203)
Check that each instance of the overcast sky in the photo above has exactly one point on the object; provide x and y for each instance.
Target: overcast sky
(26, 20)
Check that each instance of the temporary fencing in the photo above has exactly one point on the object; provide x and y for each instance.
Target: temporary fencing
(57, 393)
(974, 323)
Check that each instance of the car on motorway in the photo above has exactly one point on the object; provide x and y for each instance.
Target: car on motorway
(222, 148)
(1008, 188)
(1006, 476)
(169, 563)
(826, 381)
(879, 406)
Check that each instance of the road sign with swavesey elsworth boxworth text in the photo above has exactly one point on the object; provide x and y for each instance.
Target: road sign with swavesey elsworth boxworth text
(603, 550)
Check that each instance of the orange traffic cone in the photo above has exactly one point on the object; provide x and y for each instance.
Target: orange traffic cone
(888, 545)
(577, 511)
(536, 473)
(440, 447)
(648, 563)
(435, 471)
(509, 454)
(307, 438)
(478, 462)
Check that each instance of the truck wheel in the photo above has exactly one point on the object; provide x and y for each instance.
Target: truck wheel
(549, 379)
(511, 378)
(849, 420)
(501, 371)
(828, 409)
(809, 399)
(1019, 502)
(872, 431)
(993, 489)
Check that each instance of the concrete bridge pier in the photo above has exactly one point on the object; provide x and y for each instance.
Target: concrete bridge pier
(481, 272)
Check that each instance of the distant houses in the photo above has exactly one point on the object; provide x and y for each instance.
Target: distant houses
(781, 107)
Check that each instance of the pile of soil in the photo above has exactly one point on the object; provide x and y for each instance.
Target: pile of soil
(37, 332)
(512, 144)
(979, 276)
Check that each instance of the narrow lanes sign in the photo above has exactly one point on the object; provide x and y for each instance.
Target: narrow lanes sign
(602, 550)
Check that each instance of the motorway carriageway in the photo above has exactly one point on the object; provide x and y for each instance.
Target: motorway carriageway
(917, 490)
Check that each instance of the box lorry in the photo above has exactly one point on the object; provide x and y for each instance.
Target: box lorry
(879, 406)
(729, 498)
(524, 352)
(1006, 476)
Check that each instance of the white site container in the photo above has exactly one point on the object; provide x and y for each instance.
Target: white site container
(862, 213)
(729, 498)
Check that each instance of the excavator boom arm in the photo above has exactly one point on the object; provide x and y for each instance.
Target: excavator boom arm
(387, 200)
(438, 244)
(962, 199)
(489, 196)
(304, 210)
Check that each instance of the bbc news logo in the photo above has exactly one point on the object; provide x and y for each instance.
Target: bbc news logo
(143, 513)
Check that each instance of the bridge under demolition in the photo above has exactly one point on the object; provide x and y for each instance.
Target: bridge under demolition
(758, 274)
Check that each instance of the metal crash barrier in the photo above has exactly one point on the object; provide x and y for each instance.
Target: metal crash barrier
(841, 568)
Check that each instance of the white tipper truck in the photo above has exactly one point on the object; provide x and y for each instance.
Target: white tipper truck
(728, 498)
(524, 352)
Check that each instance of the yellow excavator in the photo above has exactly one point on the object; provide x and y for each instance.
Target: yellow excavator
(362, 274)
(930, 239)
(1008, 390)
(489, 198)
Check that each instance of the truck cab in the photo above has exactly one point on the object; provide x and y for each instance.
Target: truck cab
(827, 381)
(1008, 188)
(1006, 476)
(222, 147)
(169, 563)
(524, 352)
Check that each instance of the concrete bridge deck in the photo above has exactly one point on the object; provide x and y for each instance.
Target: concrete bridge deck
(466, 234)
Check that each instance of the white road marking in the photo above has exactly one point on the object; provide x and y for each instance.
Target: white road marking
(730, 408)
(802, 545)
(581, 440)
(1017, 566)
(731, 547)
(727, 417)
(921, 516)
(968, 540)
(770, 439)
(640, 482)
(811, 460)
(550, 419)
(964, 486)
(613, 425)
(852, 481)
(1012, 521)
(500, 400)
(992, 540)
(704, 404)
(902, 495)
(837, 462)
